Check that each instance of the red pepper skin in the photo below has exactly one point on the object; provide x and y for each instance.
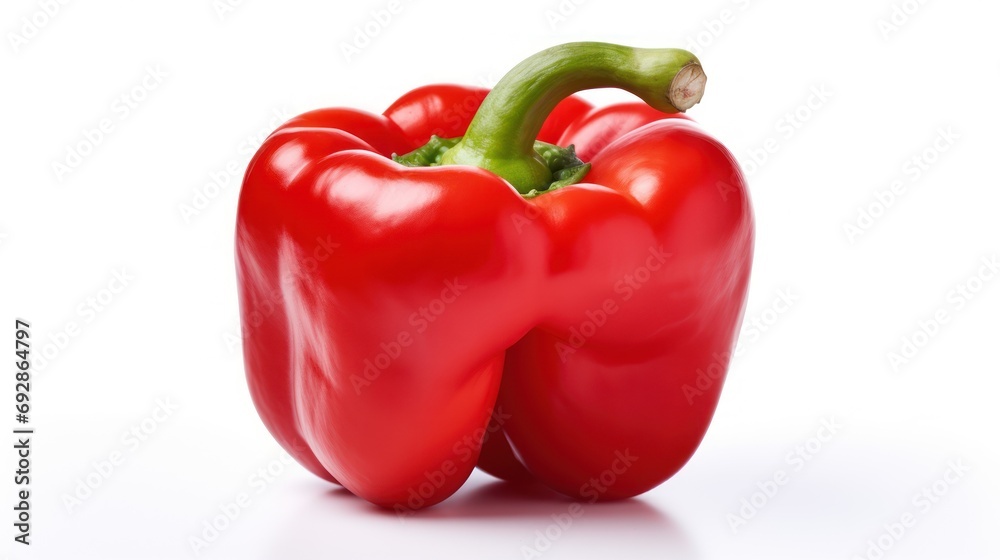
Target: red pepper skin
(593, 130)
(575, 412)
(439, 282)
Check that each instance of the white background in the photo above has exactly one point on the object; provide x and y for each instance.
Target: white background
(168, 335)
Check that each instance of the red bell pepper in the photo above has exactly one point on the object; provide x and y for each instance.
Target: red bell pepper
(392, 305)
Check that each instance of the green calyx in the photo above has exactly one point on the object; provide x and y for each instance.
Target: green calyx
(502, 135)
(428, 155)
(564, 167)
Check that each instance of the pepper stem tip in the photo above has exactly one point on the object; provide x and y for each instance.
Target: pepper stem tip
(687, 87)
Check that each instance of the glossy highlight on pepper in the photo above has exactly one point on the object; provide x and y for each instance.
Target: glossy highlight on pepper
(500, 300)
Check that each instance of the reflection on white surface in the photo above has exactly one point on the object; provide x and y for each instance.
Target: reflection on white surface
(488, 519)
(843, 498)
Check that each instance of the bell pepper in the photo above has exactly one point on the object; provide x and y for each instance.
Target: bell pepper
(509, 278)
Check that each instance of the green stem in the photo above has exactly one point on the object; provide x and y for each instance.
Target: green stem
(501, 136)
